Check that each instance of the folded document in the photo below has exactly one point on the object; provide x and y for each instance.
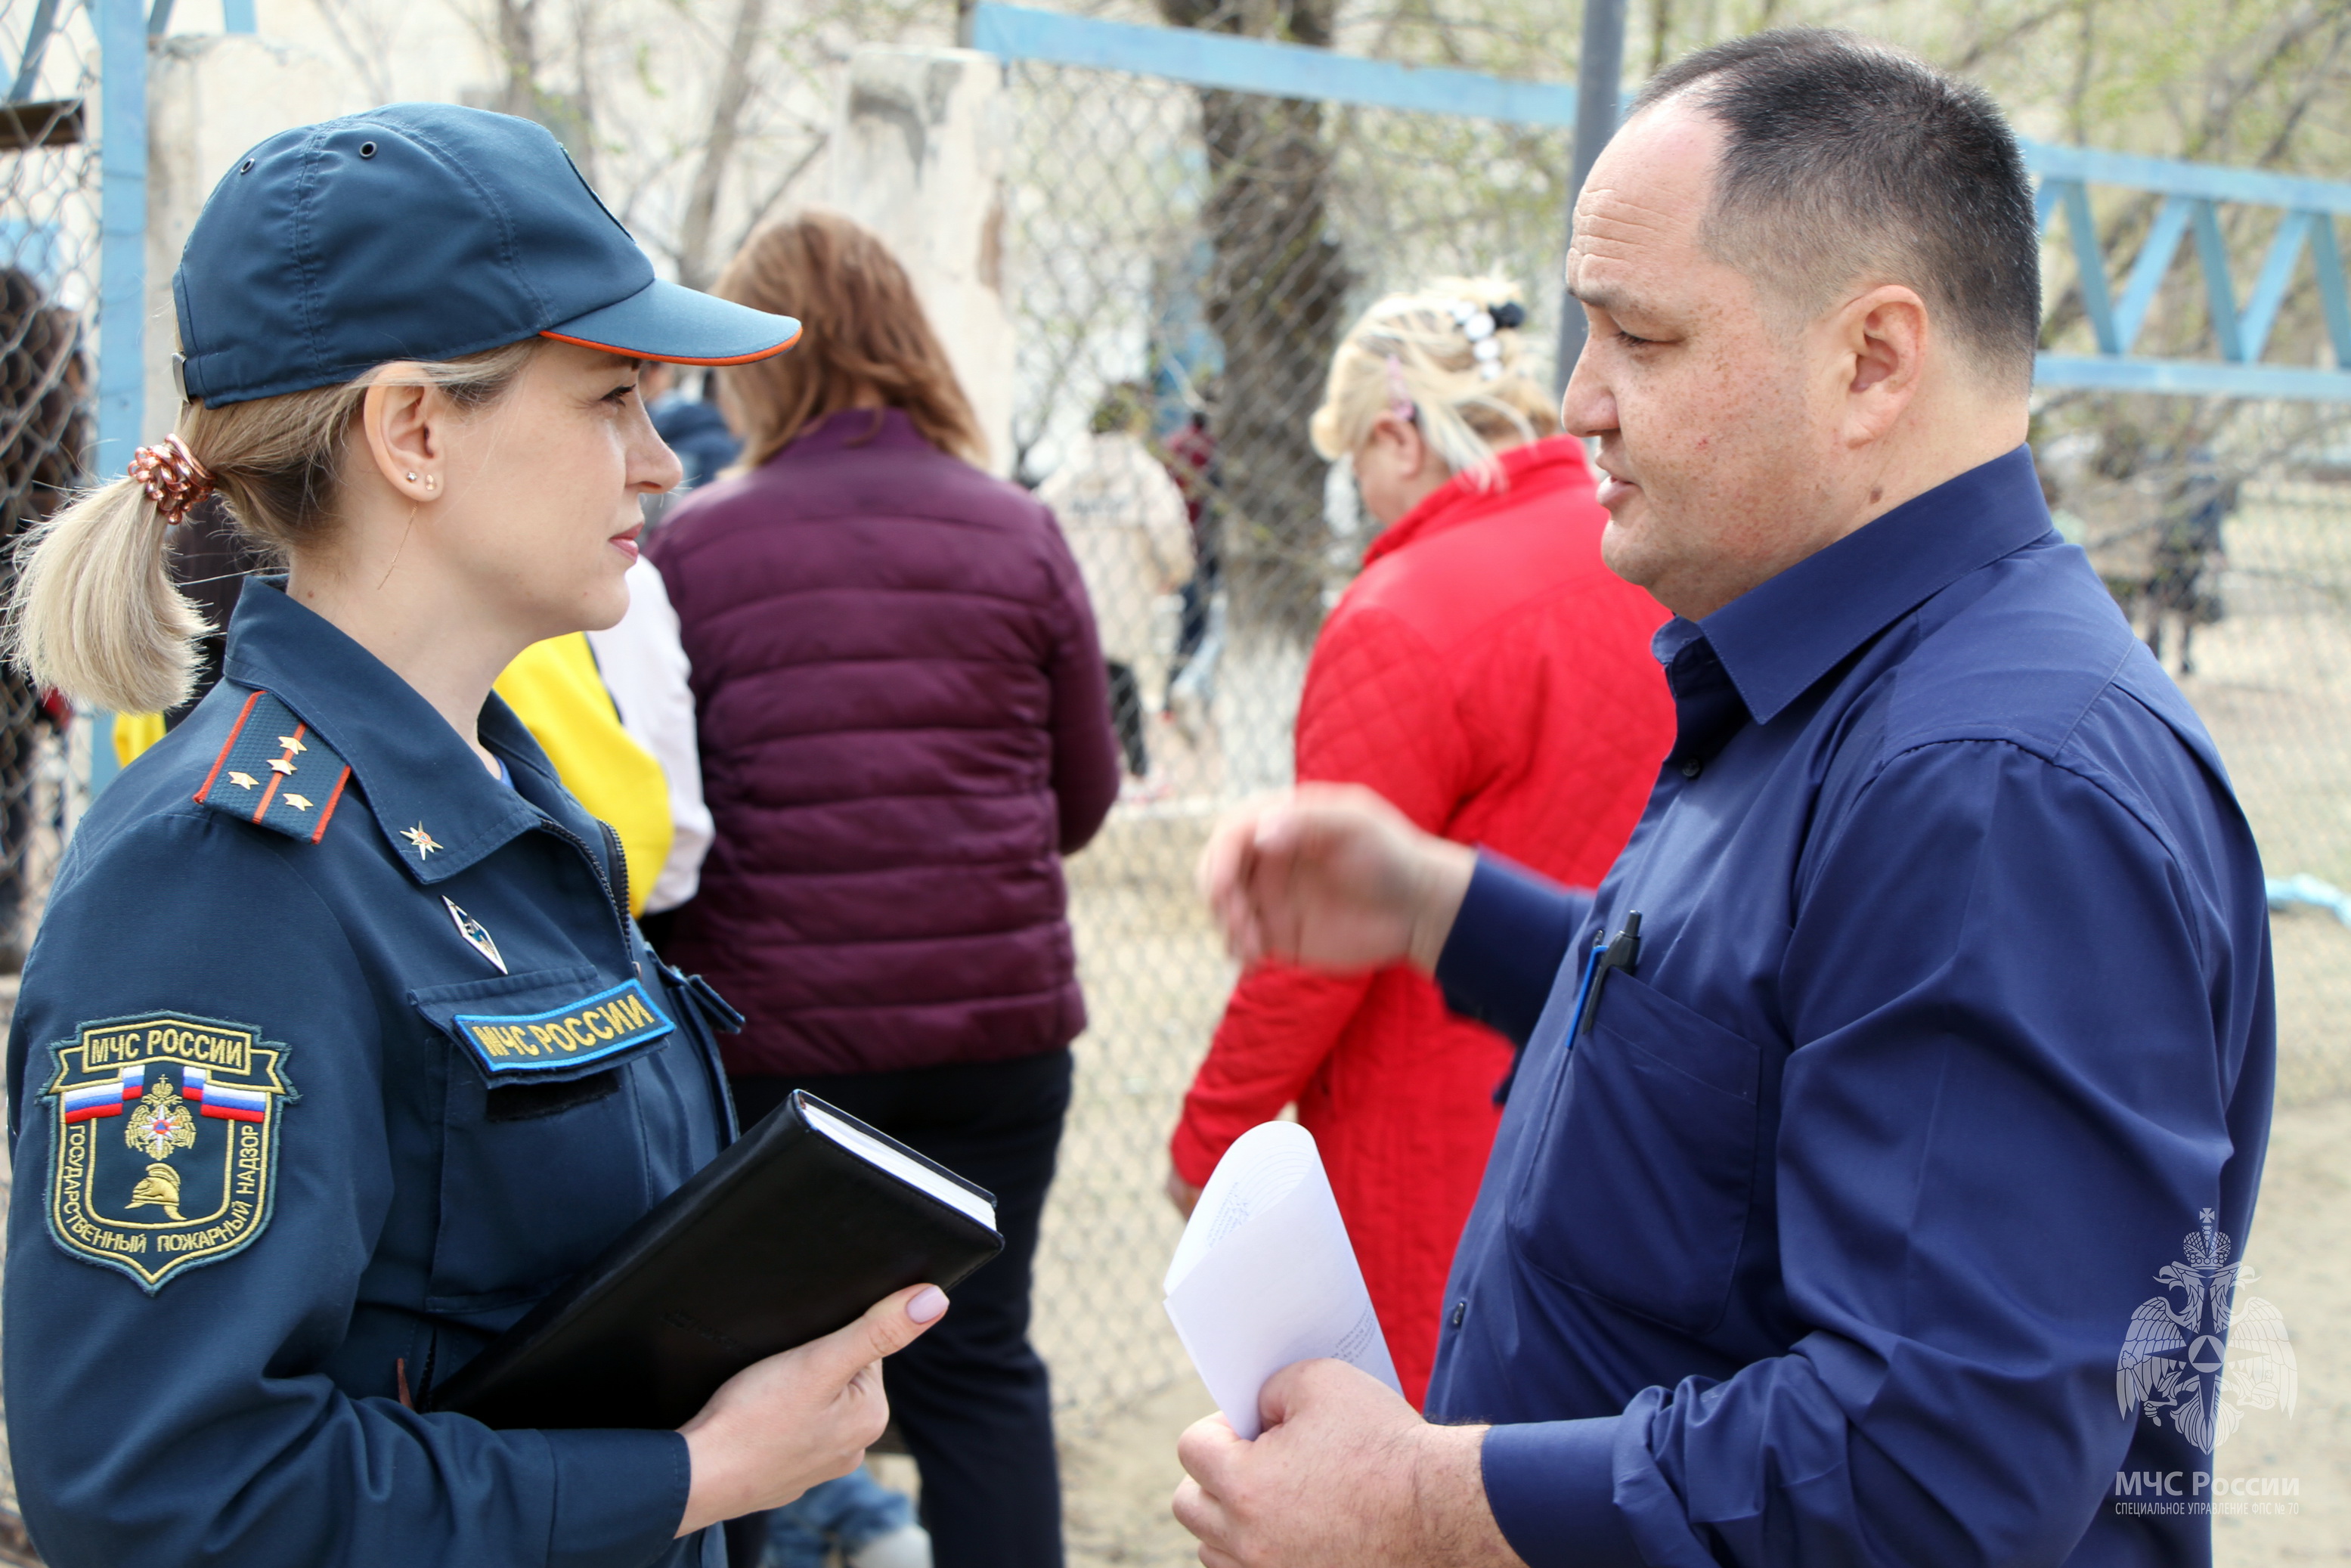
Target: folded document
(1265, 1275)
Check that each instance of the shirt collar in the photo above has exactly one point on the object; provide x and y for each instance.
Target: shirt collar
(1444, 507)
(1779, 637)
(417, 776)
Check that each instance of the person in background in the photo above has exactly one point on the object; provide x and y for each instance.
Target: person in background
(904, 728)
(1189, 456)
(44, 438)
(694, 428)
(1493, 679)
(613, 713)
(1125, 522)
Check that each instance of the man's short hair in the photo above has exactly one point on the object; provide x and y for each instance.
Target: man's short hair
(1845, 159)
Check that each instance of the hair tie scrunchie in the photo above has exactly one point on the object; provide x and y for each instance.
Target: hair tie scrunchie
(1478, 323)
(172, 478)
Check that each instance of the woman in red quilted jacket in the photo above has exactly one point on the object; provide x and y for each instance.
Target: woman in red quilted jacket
(1490, 677)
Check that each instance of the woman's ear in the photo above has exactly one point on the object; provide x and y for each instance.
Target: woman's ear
(403, 438)
(1402, 451)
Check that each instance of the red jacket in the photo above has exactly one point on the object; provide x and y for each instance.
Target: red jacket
(1489, 675)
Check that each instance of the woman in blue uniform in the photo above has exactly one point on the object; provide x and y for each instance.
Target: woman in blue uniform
(337, 1049)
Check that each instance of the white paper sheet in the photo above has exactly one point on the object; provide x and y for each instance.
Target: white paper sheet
(1265, 1275)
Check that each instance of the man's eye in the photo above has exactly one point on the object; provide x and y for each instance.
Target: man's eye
(1630, 341)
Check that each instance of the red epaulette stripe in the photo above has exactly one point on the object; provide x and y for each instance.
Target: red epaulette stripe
(233, 731)
(320, 830)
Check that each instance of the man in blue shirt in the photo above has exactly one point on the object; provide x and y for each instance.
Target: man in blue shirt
(1929, 1007)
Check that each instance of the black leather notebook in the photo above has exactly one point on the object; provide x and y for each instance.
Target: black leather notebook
(791, 1233)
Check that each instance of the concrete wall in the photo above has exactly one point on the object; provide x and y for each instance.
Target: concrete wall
(919, 158)
(211, 97)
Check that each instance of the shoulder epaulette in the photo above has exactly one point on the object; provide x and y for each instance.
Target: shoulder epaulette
(276, 771)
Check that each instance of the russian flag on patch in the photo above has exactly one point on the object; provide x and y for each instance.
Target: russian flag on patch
(133, 1080)
(231, 1105)
(191, 1081)
(89, 1101)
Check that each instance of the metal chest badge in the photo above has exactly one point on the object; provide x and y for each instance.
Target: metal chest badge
(164, 1154)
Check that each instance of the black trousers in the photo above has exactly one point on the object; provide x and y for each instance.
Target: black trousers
(970, 1396)
(1126, 716)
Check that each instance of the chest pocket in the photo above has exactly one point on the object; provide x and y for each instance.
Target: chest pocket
(543, 1159)
(1639, 1185)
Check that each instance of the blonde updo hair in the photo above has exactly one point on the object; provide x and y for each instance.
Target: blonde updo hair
(95, 612)
(1421, 344)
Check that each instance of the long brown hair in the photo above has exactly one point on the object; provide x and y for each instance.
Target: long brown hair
(866, 339)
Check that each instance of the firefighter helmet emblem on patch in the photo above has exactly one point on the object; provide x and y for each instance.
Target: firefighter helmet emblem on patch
(166, 1149)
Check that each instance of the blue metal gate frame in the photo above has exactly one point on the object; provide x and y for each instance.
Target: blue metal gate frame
(2191, 195)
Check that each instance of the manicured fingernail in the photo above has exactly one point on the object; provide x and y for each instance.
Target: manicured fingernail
(927, 1306)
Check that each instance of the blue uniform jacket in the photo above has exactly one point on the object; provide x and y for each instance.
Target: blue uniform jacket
(334, 1055)
(1884, 1211)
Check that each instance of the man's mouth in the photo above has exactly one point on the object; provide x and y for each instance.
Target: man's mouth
(1613, 489)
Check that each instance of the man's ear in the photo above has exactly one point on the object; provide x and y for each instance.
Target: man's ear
(1881, 346)
(403, 441)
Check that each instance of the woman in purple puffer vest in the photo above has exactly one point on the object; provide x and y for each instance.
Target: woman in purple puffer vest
(903, 729)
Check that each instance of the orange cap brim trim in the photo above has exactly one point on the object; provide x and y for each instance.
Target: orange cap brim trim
(674, 358)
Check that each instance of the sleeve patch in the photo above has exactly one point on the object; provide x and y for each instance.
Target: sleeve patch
(163, 1153)
(274, 770)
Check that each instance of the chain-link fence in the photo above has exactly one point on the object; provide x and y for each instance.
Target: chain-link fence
(1202, 252)
(48, 297)
(2224, 529)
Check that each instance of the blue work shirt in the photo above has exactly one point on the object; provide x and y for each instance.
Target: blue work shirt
(335, 1054)
(1950, 1019)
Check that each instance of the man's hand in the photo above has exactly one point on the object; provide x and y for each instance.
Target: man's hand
(1183, 1195)
(1345, 1473)
(780, 1425)
(1334, 877)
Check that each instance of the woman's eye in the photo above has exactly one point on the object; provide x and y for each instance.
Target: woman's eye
(619, 395)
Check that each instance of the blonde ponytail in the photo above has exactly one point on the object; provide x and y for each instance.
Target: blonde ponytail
(1468, 393)
(95, 612)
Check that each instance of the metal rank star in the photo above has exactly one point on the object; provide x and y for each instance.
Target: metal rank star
(422, 840)
(248, 782)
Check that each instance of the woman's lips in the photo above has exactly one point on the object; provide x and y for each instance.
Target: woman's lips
(626, 543)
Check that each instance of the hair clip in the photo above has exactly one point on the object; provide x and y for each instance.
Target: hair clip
(1400, 402)
(172, 478)
(1478, 323)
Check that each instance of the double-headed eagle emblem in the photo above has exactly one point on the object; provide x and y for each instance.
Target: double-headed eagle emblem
(2180, 1357)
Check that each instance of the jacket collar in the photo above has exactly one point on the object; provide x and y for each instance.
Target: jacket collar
(1555, 460)
(414, 772)
(1779, 638)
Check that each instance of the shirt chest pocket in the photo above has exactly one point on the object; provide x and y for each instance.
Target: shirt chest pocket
(542, 1151)
(1640, 1183)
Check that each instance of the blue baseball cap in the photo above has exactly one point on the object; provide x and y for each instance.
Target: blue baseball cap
(423, 231)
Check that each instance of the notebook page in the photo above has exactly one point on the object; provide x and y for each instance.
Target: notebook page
(912, 1172)
(1265, 1275)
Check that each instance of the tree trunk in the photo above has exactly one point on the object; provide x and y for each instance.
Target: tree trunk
(696, 266)
(1275, 292)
